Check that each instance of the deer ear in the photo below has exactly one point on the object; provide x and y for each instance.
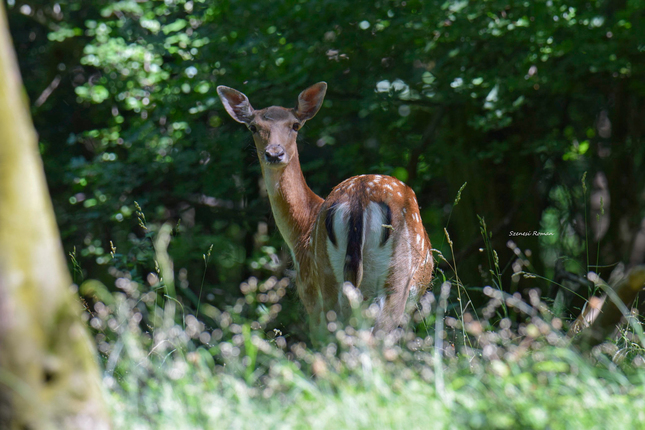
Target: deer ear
(237, 104)
(310, 100)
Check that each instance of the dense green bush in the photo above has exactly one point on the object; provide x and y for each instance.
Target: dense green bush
(516, 99)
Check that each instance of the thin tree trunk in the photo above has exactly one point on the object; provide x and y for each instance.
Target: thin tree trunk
(49, 377)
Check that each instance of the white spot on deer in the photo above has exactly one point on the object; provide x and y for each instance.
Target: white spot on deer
(422, 245)
(376, 258)
(399, 193)
(418, 238)
(370, 183)
(337, 253)
(389, 187)
(368, 189)
(405, 211)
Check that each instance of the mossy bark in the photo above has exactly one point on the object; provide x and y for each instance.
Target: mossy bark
(49, 377)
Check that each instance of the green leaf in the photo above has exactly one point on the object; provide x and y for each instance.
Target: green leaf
(175, 26)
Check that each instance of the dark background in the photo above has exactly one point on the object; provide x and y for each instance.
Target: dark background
(516, 99)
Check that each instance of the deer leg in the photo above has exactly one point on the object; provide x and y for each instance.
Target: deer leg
(393, 306)
(317, 326)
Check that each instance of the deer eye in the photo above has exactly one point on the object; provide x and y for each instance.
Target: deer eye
(253, 128)
(296, 126)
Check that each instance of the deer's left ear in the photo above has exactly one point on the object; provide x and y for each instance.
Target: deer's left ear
(310, 101)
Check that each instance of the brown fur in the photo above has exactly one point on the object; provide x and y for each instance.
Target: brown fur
(300, 214)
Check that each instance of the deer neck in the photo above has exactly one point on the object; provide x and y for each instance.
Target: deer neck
(295, 207)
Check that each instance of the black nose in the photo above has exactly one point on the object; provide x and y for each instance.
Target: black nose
(274, 154)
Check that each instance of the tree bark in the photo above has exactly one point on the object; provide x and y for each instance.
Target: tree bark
(49, 377)
(602, 315)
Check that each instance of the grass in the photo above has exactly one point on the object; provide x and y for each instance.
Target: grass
(165, 368)
(181, 375)
(553, 387)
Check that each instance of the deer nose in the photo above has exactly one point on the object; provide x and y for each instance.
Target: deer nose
(274, 154)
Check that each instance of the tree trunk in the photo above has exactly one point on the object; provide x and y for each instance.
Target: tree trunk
(602, 315)
(49, 377)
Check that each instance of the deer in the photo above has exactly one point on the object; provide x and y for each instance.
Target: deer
(367, 234)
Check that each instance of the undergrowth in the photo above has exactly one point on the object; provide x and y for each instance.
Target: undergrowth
(509, 364)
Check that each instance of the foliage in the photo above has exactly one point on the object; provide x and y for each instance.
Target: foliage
(518, 99)
(165, 369)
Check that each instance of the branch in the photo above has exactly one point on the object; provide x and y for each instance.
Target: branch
(47, 92)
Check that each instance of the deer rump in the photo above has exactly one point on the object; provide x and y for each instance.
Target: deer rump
(360, 245)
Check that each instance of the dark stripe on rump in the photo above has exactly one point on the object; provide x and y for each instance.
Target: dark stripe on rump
(387, 220)
(354, 257)
(329, 224)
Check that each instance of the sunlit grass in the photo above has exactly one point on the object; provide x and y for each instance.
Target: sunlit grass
(165, 368)
(509, 383)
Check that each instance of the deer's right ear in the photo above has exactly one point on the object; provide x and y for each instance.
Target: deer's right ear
(237, 104)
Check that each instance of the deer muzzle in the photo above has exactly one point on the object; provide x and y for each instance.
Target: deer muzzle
(274, 154)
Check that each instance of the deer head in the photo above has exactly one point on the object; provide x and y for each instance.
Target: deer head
(274, 128)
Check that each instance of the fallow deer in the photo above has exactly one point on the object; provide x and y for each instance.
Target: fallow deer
(368, 231)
